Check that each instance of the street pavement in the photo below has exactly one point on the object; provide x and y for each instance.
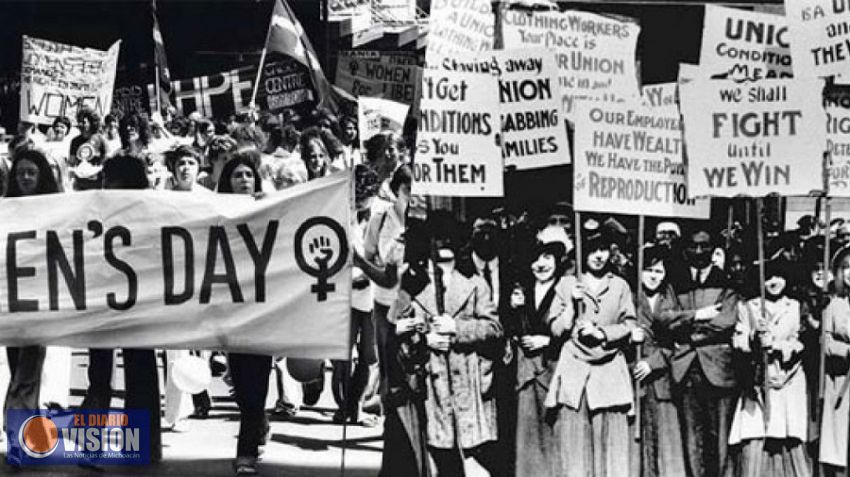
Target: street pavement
(308, 444)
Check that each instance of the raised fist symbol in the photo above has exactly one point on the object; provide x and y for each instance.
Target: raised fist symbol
(320, 249)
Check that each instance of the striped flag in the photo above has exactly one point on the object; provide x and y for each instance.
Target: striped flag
(286, 36)
(161, 64)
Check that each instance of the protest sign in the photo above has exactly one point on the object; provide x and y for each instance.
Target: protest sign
(459, 27)
(177, 270)
(595, 54)
(58, 79)
(754, 139)
(388, 77)
(398, 11)
(359, 12)
(376, 115)
(660, 95)
(456, 149)
(836, 102)
(533, 133)
(629, 159)
(820, 36)
(745, 45)
(129, 99)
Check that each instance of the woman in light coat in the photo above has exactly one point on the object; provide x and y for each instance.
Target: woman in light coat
(774, 446)
(836, 402)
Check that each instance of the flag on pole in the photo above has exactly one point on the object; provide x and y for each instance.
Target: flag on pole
(163, 75)
(286, 36)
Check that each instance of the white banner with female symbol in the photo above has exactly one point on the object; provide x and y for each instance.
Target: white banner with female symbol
(176, 270)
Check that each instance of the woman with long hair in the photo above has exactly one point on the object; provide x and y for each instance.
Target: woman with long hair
(320, 151)
(249, 372)
(661, 441)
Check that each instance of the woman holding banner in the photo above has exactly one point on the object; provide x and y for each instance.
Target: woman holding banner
(591, 389)
(662, 451)
(30, 175)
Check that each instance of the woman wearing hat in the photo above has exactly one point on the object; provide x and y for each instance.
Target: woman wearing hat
(591, 390)
(835, 423)
(662, 453)
(532, 312)
(776, 445)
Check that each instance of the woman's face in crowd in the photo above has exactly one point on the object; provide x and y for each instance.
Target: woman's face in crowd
(60, 130)
(844, 271)
(817, 276)
(349, 132)
(186, 171)
(84, 125)
(699, 250)
(774, 285)
(597, 259)
(544, 267)
(653, 276)
(317, 158)
(26, 176)
(242, 180)
(132, 133)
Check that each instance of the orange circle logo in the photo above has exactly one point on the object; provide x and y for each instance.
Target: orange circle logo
(38, 436)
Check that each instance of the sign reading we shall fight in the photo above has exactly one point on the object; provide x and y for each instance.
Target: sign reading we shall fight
(595, 54)
(821, 36)
(754, 139)
(745, 45)
(629, 159)
(533, 133)
(456, 150)
(58, 79)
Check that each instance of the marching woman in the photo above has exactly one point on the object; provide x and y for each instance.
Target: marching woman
(250, 372)
(661, 440)
(772, 445)
(836, 402)
(30, 175)
(531, 315)
(591, 388)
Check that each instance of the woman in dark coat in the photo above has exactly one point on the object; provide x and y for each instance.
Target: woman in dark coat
(660, 434)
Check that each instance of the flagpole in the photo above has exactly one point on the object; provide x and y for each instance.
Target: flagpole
(253, 103)
(158, 92)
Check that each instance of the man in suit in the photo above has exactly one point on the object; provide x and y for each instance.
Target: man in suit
(702, 369)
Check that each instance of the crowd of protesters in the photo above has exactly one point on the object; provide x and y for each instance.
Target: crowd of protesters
(507, 346)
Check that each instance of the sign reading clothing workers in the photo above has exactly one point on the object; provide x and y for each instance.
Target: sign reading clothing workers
(745, 45)
(57, 79)
(595, 54)
(171, 270)
(459, 27)
(456, 150)
(820, 31)
(629, 159)
(754, 139)
(533, 134)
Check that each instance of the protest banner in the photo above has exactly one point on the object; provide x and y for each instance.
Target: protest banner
(595, 54)
(629, 160)
(820, 36)
(129, 99)
(389, 77)
(376, 115)
(836, 102)
(456, 150)
(459, 27)
(745, 45)
(754, 139)
(58, 79)
(533, 133)
(177, 270)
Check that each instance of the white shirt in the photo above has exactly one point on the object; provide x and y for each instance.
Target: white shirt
(494, 273)
(383, 245)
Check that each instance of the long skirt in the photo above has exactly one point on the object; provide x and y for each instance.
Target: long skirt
(593, 443)
(662, 451)
(769, 458)
(537, 448)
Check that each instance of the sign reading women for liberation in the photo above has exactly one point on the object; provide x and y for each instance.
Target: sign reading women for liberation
(595, 54)
(820, 34)
(746, 45)
(179, 270)
(459, 27)
(456, 149)
(58, 79)
(629, 160)
(386, 76)
(754, 139)
(837, 104)
(533, 133)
